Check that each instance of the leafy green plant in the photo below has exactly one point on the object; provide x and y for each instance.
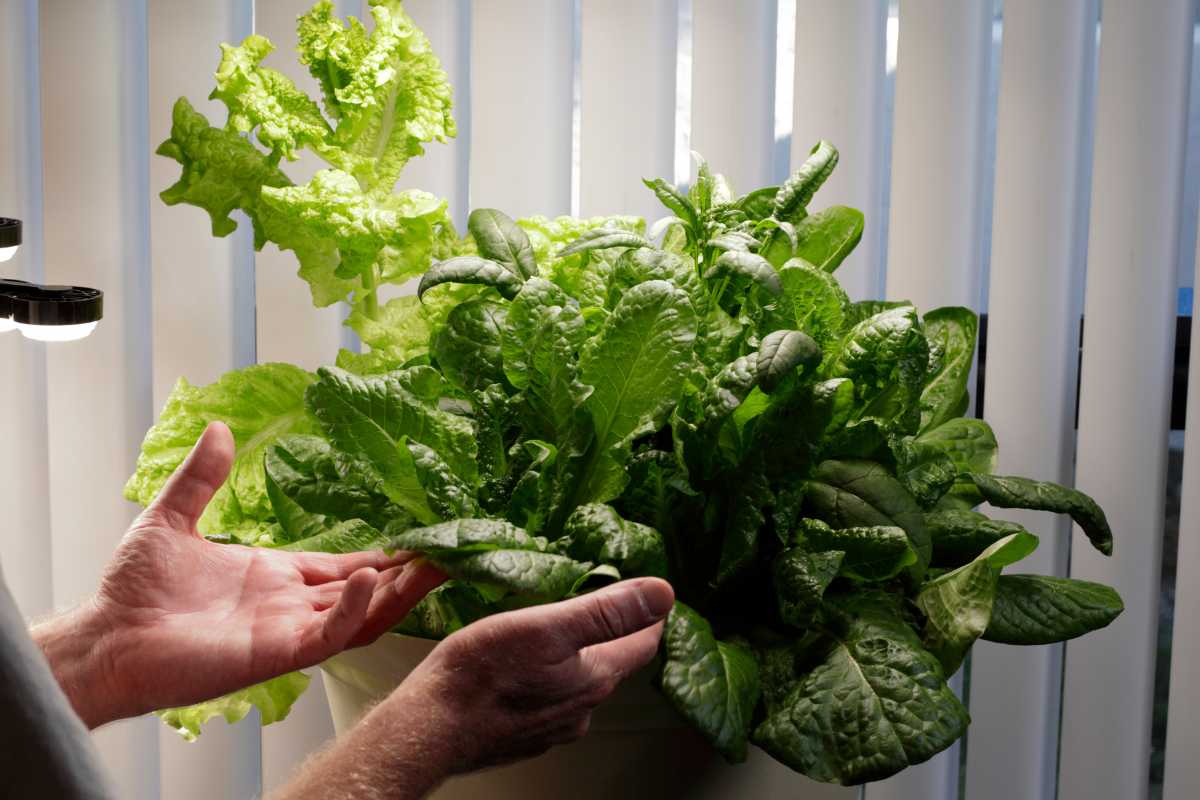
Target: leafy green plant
(568, 402)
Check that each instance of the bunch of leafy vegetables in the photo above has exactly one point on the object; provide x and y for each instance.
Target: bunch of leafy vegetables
(567, 402)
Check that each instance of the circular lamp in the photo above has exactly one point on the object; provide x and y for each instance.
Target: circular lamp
(50, 313)
(10, 237)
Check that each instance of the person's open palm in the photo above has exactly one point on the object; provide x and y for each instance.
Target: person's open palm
(191, 619)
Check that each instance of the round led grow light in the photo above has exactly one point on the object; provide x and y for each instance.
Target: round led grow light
(50, 313)
(10, 237)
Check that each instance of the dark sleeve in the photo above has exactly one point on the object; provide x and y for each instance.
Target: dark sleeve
(45, 750)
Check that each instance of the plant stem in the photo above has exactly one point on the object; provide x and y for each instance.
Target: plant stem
(370, 281)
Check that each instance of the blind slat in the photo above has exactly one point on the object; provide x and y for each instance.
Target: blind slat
(97, 234)
(24, 466)
(289, 327)
(521, 84)
(1033, 334)
(1181, 774)
(1141, 107)
(937, 180)
(733, 89)
(839, 96)
(197, 280)
(628, 80)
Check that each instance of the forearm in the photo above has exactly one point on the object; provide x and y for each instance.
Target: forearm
(78, 647)
(401, 750)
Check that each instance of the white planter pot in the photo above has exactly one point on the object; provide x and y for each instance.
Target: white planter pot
(638, 747)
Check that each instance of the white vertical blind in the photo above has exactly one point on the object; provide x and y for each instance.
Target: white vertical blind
(24, 468)
(934, 250)
(628, 104)
(1181, 773)
(839, 82)
(289, 327)
(1035, 301)
(733, 89)
(195, 325)
(96, 186)
(1141, 108)
(521, 83)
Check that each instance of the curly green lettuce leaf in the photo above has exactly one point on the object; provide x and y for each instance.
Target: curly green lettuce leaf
(223, 172)
(260, 404)
(273, 698)
(386, 89)
(333, 207)
(267, 102)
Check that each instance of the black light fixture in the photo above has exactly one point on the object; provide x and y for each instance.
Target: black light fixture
(44, 313)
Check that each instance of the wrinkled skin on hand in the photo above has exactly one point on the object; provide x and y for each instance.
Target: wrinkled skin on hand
(181, 619)
(515, 684)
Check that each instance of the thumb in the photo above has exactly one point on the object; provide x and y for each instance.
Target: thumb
(187, 492)
(606, 615)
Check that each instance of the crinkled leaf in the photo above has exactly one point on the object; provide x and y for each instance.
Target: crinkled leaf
(813, 301)
(467, 346)
(1014, 492)
(713, 684)
(352, 536)
(674, 200)
(872, 702)
(603, 238)
(501, 240)
(387, 89)
(637, 365)
(951, 334)
(801, 578)
(958, 604)
(542, 334)
(874, 553)
(333, 207)
(886, 356)
(647, 264)
(473, 270)
(323, 481)
(959, 536)
(1039, 609)
(792, 198)
(750, 498)
(855, 494)
(825, 238)
(781, 353)
(744, 266)
(446, 493)
(259, 404)
(596, 532)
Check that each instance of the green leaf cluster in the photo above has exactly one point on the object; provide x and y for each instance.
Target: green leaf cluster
(568, 402)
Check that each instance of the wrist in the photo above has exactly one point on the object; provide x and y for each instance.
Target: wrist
(79, 646)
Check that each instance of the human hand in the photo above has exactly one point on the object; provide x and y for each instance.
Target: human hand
(507, 687)
(179, 619)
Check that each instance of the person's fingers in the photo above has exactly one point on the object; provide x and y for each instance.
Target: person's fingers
(318, 568)
(394, 598)
(610, 613)
(622, 657)
(332, 630)
(186, 493)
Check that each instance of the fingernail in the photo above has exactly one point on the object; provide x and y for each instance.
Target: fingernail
(658, 600)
